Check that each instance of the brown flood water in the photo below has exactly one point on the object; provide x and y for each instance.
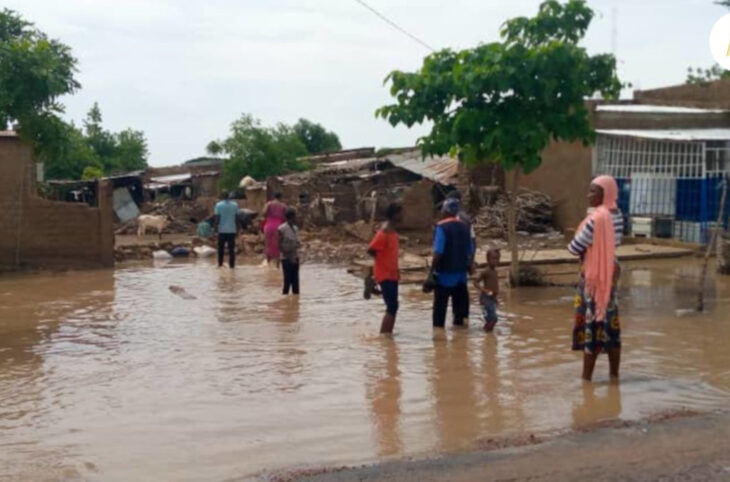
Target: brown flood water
(110, 375)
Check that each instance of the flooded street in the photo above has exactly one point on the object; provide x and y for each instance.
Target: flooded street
(111, 375)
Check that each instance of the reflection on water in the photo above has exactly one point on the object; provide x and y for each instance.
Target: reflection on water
(384, 394)
(453, 382)
(597, 404)
(112, 375)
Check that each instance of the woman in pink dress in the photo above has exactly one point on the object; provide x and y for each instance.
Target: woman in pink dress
(274, 216)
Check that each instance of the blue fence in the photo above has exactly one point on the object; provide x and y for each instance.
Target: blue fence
(687, 209)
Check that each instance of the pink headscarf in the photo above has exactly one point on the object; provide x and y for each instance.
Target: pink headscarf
(600, 257)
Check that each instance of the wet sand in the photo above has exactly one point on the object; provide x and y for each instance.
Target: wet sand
(113, 375)
(684, 449)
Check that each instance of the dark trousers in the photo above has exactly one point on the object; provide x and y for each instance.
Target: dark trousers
(230, 240)
(459, 295)
(291, 276)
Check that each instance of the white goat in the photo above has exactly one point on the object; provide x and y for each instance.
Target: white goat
(159, 222)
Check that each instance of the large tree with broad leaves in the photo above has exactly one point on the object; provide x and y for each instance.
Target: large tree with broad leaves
(504, 102)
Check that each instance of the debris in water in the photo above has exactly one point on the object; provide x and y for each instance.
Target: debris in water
(161, 254)
(180, 291)
(684, 312)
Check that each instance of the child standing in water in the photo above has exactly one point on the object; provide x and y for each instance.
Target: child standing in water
(488, 285)
(384, 248)
(289, 246)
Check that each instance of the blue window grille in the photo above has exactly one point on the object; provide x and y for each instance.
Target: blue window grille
(676, 183)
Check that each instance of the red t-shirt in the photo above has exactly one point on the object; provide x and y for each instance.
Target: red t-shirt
(385, 245)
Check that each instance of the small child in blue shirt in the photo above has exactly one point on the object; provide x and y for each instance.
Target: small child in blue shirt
(488, 285)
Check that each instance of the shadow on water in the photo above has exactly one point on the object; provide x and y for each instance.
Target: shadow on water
(118, 376)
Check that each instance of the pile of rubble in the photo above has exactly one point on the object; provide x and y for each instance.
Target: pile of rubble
(534, 215)
(183, 215)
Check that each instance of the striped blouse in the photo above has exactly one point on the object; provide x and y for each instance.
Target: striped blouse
(584, 239)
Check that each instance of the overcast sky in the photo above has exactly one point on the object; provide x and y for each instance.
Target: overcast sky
(183, 70)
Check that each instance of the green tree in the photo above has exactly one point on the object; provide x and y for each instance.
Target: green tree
(34, 71)
(700, 76)
(131, 150)
(504, 101)
(118, 152)
(100, 140)
(258, 151)
(61, 146)
(315, 137)
(91, 172)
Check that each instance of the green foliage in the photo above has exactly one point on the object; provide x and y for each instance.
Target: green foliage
(91, 172)
(504, 101)
(118, 152)
(34, 72)
(258, 151)
(724, 3)
(131, 152)
(700, 76)
(60, 146)
(315, 137)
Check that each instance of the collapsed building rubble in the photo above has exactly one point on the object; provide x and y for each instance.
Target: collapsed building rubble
(360, 189)
(341, 202)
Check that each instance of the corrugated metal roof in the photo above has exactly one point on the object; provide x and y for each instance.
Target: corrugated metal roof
(656, 109)
(206, 174)
(441, 169)
(671, 134)
(123, 175)
(349, 165)
(172, 178)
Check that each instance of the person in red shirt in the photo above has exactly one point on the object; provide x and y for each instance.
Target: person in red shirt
(384, 247)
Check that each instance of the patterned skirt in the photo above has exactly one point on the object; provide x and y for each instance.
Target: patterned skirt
(590, 334)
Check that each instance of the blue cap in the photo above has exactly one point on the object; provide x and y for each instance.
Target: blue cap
(451, 206)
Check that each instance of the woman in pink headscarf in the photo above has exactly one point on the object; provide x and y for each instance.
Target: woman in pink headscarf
(274, 216)
(597, 327)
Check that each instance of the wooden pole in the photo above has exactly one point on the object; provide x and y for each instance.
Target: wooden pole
(713, 240)
(512, 228)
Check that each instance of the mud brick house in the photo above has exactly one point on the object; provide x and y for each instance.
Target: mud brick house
(42, 232)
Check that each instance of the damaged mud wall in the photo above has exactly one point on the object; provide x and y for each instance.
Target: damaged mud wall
(418, 206)
(205, 186)
(40, 232)
(564, 175)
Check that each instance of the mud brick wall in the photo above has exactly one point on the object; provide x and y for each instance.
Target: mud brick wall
(623, 120)
(40, 232)
(715, 95)
(564, 175)
(418, 206)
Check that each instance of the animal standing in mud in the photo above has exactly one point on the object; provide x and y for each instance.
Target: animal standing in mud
(159, 222)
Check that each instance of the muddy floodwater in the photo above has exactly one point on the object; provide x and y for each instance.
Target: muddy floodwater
(113, 375)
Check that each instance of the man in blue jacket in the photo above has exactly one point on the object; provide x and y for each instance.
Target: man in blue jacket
(453, 252)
